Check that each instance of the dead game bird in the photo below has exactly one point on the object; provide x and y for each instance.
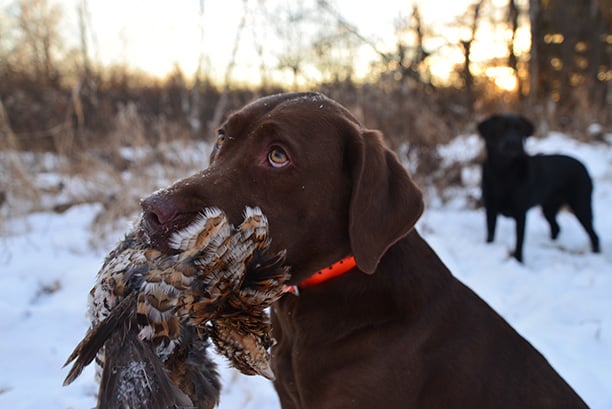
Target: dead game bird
(152, 313)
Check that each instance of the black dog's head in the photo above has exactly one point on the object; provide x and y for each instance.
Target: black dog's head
(505, 134)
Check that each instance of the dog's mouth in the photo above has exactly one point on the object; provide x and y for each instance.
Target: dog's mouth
(158, 235)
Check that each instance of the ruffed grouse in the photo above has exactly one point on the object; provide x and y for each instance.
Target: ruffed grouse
(152, 313)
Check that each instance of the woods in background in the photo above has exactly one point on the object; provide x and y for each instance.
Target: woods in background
(54, 98)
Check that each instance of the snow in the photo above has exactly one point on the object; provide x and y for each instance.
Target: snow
(560, 299)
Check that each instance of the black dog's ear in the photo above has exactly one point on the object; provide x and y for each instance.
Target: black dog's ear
(526, 126)
(385, 202)
(487, 127)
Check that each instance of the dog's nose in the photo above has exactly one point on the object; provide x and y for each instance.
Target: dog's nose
(157, 212)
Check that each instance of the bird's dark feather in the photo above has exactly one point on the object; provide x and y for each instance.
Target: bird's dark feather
(86, 351)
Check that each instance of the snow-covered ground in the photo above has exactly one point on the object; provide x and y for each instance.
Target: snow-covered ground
(560, 299)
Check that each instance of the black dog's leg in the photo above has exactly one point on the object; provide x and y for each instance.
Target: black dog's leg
(550, 211)
(584, 214)
(491, 222)
(520, 234)
(594, 241)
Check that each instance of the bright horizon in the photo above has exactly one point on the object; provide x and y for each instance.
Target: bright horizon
(155, 36)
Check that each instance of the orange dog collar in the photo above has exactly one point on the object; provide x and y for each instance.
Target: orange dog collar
(337, 269)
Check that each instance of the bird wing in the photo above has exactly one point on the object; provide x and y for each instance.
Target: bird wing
(134, 377)
(94, 340)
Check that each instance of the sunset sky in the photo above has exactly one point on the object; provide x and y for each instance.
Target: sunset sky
(156, 35)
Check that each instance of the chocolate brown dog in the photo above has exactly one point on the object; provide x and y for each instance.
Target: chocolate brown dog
(392, 330)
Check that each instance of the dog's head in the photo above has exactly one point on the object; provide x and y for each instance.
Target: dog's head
(505, 134)
(327, 186)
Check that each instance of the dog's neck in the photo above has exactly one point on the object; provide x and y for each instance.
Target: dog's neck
(336, 269)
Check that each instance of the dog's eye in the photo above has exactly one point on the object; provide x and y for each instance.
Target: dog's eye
(277, 157)
(220, 139)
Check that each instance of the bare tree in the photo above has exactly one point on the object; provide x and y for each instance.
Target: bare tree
(473, 17)
(513, 20)
(409, 57)
(39, 25)
(81, 11)
(334, 47)
(221, 106)
(195, 106)
(534, 62)
(290, 23)
(259, 39)
(570, 58)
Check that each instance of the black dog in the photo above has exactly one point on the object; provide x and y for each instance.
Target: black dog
(513, 182)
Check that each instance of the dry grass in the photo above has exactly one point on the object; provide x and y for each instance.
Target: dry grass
(123, 168)
(137, 152)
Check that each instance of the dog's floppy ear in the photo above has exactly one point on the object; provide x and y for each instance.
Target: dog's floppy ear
(487, 127)
(526, 127)
(385, 202)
